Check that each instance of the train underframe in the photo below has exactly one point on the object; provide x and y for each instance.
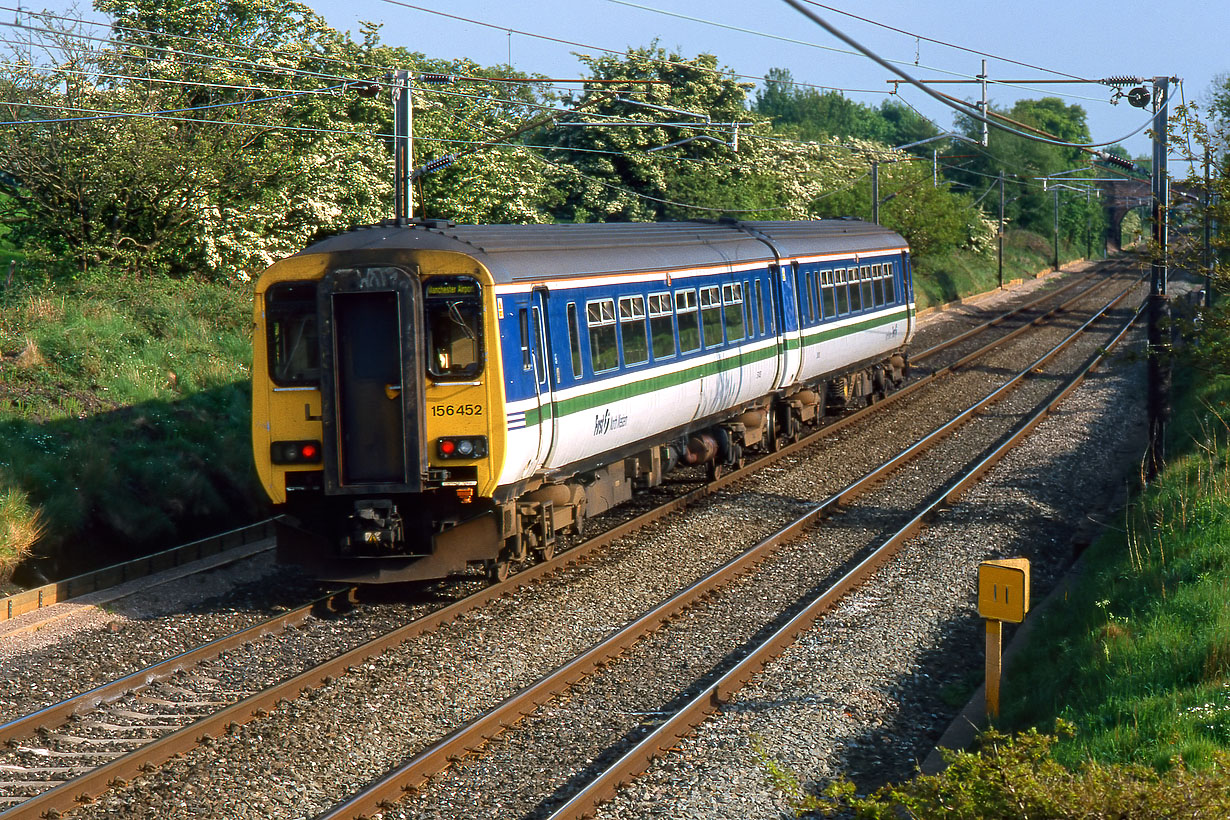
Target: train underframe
(437, 533)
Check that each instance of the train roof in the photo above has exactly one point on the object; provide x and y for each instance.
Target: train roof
(521, 252)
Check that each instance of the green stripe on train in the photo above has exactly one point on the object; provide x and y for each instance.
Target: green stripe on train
(651, 384)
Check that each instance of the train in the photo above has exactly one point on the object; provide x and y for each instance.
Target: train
(432, 399)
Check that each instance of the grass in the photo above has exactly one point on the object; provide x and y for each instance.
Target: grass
(124, 418)
(954, 275)
(1138, 658)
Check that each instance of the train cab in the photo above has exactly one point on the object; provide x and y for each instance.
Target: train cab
(372, 389)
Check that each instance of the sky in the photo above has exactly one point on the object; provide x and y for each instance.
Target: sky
(1183, 38)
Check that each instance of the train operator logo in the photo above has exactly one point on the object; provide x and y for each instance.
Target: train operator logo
(607, 422)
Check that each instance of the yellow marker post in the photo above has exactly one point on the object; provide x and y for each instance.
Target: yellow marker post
(1003, 595)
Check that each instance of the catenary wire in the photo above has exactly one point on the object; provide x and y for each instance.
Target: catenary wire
(827, 48)
(964, 108)
(592, 47)
(121, 114)
(944, 43)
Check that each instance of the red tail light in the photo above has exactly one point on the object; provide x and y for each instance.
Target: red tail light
(467, 447)
(295, 452)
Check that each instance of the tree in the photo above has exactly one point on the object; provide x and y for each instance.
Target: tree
(261, 145)
(1025, 161)
(611, 171)
(817, 115)
(251, 157)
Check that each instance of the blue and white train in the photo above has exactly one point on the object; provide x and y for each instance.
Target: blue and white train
(429, 397)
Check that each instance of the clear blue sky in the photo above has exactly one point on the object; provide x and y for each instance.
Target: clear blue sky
(1183, 38)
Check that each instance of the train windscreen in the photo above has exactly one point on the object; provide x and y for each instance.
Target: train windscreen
(290, 321)
(454, 329)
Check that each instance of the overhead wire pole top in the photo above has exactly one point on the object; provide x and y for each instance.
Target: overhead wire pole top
(403, 145)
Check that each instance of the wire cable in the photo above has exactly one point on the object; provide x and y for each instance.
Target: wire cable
(159, 114)
(944, 43)
(964, 108)
(963, 75)
(612, 51)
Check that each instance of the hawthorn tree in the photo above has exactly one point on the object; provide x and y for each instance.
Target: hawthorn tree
(249, 139)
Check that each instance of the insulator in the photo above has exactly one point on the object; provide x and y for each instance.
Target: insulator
(1112, 159)
(1120, 81)
(435, 79)
(438, 163)
(434, 165)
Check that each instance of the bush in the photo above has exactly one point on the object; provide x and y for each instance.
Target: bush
(1014, 777)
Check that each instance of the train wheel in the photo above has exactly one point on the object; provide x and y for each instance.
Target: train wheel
(498, 571)
(713, 471)
(546, 553)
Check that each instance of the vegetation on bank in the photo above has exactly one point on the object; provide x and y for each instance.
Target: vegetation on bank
(123, 417)
(1138, 659)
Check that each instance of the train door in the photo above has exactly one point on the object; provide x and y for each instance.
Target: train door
(789, 323)
(371, 381)
(545, 375)
(907, 291)
(767, 300)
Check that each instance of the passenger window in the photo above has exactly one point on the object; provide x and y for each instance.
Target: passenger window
(877, 277)
(574, 340)
(749, 310)
(711, 314)
(632, 329)
(856, 299)
(868, 298)
(661, 325)
(843, 301)
(753, 308)
(814, 279)
(890, 285)
(523, 320)
(732, 299)
(760, 307)
(689, 320)
(600, 317)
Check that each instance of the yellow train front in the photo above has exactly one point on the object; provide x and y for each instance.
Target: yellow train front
(429, 398)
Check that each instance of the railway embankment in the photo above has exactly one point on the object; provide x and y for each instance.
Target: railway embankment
(123, 420)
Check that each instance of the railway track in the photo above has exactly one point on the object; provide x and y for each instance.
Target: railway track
(744, 655)
(245, 710)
